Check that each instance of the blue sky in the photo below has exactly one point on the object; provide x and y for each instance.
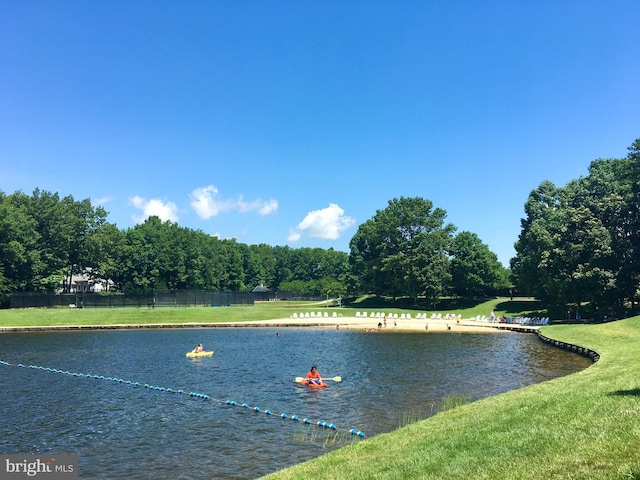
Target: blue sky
(293, 122)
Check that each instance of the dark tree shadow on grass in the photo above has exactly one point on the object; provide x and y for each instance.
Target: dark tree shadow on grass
(444, 304)
(634, 392)
(535, 308)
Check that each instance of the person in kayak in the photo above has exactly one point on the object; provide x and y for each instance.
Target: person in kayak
(314, 376)
(198, 349)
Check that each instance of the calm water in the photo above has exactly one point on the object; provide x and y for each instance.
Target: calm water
(123, 431)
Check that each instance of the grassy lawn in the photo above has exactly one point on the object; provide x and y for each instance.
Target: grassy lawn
(126, 316)
(259, 311)
(583, 426)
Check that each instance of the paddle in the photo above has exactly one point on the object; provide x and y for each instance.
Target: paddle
(335, 379)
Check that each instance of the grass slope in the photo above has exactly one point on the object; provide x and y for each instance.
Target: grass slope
(127, 316)
(585, 425)
(260, 311)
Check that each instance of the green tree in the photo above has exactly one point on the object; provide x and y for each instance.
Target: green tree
(254, 273)
(629, 248)
(45, 239)
(4, 289)
(265, 255)
(475, 270)
(283, 270)
(233, 274)
(19, 253)
(202, 260)
(403, 249)
(81, 222)
(105, 246)
(334, 264)
(579, 243)
(530, 267)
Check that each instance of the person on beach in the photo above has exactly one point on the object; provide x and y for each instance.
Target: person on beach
(314, 376)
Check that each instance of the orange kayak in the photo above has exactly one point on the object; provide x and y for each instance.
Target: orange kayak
(313, 385)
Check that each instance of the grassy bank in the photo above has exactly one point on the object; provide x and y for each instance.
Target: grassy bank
(259, 311)
(585, 426)
(143, 316)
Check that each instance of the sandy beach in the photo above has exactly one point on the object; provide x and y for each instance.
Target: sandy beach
(392, 325)
(370, 324)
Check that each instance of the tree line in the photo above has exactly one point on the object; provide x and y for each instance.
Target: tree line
(404, 250)
(579, 244)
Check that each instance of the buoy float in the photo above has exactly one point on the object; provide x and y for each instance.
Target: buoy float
(294, 418)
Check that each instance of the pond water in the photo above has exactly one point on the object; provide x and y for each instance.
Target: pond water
(120, 430)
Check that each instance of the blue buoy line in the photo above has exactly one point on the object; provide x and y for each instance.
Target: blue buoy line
(204, 396)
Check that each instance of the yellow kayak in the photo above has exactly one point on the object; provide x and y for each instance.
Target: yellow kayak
(199, 354)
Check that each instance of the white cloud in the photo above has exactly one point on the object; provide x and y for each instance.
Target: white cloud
(263, 208)
(204, 203)
(328, 223)
(207, 203)
(294, 235)
(99, 202)
(164, 211)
